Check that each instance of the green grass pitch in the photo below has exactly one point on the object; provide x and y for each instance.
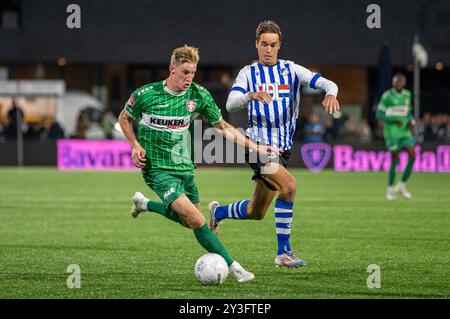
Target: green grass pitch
(342, 224)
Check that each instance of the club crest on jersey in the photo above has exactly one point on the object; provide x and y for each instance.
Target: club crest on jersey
(190, 106)
(131, 100)
(284, 72)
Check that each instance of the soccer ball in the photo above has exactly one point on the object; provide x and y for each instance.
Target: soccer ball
(211, 269)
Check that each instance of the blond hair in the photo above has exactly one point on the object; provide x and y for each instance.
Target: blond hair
(185, 54)
(267, 26)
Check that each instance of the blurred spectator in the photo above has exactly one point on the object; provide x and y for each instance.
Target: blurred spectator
(349, 131)
(364, 131)
(2, 128)
(337, 123)
(226, 79)
(314, 130)
(55, 131)
(328, 129)
(108, 121)
(433, 128)
(15, 121)
(425, 126)
(447, 133)
(81, 126)
(34, 131)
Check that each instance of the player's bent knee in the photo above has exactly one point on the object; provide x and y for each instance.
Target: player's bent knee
(289, 188)
(196, 223)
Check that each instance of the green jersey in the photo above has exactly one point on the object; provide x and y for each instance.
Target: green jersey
(395, 106)
(164, 119)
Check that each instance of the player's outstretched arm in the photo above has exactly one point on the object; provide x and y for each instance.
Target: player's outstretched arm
(138, 153)
(232, 134)
(330, 102)
(238, 101)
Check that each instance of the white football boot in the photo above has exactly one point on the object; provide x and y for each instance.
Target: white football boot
(401, 189)
(239, 273)
(213, 223)
(390, 194)
(139, 204)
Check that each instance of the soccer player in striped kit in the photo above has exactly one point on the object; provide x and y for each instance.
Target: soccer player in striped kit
(270, 91)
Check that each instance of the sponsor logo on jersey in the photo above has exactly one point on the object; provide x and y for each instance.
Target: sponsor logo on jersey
(190, 106)
(400, 110)
(166, 123)
(276, 91)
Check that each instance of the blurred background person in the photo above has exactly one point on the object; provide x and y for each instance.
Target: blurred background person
(14, 121)
(314, 130)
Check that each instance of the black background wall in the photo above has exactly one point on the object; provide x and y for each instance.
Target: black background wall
(145, 31)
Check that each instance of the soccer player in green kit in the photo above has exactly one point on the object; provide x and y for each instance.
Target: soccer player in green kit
(395, 115)
(165, 110)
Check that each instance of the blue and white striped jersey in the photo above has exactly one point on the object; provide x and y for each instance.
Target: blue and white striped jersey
(275, 123)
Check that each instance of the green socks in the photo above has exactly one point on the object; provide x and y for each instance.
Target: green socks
(392, 173)
(211, 243)
(408, 171)
(204, 235)
(160, 208)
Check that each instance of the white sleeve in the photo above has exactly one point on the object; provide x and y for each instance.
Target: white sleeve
(238, 98)
(329, 87)
(237, 101)
(315, 80)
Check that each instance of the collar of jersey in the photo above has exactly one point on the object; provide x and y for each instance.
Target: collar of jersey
(267, 66)
(173, 93)
(398, 93)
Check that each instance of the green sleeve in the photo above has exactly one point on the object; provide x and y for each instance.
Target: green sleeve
(381, 109)
(381, 115)
(132, 106)
(209, 108)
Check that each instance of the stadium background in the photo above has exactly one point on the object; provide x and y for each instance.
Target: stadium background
(51, 218)
(120, 48)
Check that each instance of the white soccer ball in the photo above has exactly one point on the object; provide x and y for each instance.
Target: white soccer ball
(211, 269)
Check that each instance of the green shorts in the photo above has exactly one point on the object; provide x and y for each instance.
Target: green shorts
(169, 185)
(396, 144)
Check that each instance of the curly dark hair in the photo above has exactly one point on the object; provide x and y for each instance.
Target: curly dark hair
(267, 26)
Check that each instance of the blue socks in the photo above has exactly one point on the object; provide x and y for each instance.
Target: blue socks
(283, 219)
(283, 224)
(236, 210)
